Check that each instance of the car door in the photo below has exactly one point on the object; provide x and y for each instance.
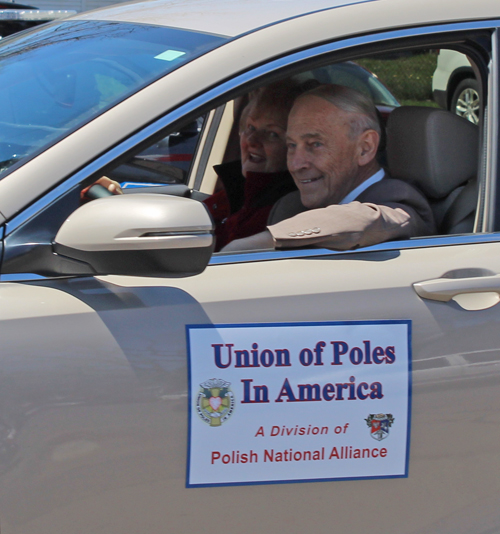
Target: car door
(282, 390)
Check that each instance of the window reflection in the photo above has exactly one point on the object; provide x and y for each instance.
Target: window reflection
(58, 77)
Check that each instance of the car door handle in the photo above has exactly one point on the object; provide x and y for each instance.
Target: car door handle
(444, 289)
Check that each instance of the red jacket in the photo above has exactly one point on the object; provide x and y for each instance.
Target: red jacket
(241, 209)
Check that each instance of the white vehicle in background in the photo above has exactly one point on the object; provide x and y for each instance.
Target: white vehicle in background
(454, 85)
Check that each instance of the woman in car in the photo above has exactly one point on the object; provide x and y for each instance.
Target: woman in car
(249, 187)
(252, 184)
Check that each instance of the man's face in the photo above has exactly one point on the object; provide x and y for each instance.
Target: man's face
(321, 156)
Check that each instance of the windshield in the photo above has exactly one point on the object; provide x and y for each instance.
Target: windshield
(62, 75)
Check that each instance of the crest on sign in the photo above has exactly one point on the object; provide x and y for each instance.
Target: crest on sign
(379, 425)
(215, 401)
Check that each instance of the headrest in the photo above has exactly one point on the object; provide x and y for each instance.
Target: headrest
(431, 148)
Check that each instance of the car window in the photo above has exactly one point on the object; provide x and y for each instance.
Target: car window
(391, 80)
(406, 80)
(167, 161)
(440, 79)
(166, 165)
(52, 84)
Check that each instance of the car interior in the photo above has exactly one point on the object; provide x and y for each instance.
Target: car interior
(427, 146)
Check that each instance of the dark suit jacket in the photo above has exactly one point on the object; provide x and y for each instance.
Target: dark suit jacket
(389, 209)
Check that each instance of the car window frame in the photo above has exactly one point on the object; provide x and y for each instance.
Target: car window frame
(489, 192)
(349, 48)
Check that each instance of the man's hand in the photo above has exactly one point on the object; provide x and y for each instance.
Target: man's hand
(264, 240)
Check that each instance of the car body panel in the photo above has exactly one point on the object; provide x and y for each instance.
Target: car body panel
(222, 18)
(102, 433)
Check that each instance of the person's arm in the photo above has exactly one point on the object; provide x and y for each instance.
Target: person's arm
(339, 227)
(388, 210)
(343, 227)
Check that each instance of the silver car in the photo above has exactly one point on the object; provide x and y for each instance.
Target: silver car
(150, 385)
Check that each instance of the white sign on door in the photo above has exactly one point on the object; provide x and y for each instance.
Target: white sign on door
(272, 403)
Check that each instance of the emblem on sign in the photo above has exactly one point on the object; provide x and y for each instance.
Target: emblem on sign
(215, 401)
(379, 425)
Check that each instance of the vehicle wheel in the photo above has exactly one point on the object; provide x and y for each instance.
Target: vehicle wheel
(466, 101)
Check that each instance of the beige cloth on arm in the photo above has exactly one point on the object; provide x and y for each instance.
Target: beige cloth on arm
(387, 210)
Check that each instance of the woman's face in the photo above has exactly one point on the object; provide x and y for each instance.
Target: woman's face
(262, 139)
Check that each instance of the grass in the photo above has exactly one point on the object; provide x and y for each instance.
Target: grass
(408, 77)
(427, 103)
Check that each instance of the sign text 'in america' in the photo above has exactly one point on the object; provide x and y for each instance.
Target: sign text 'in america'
(335, 353)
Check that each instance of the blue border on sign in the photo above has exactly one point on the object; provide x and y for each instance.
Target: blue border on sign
(189, 327)
(410, 396)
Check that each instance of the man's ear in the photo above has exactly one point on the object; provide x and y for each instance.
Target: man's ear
(368, 146)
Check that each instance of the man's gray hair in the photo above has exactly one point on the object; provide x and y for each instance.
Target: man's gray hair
(351, 101)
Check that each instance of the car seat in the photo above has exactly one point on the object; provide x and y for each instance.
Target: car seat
(437, 152)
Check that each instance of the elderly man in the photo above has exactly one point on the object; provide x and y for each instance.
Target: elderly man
(344, 199)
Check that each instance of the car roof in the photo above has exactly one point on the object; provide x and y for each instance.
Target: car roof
(224, 17)
(233, 18)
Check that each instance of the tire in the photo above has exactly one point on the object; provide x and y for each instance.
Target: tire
(466, 101)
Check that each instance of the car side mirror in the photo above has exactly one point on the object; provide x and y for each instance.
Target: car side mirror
(136, 235)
